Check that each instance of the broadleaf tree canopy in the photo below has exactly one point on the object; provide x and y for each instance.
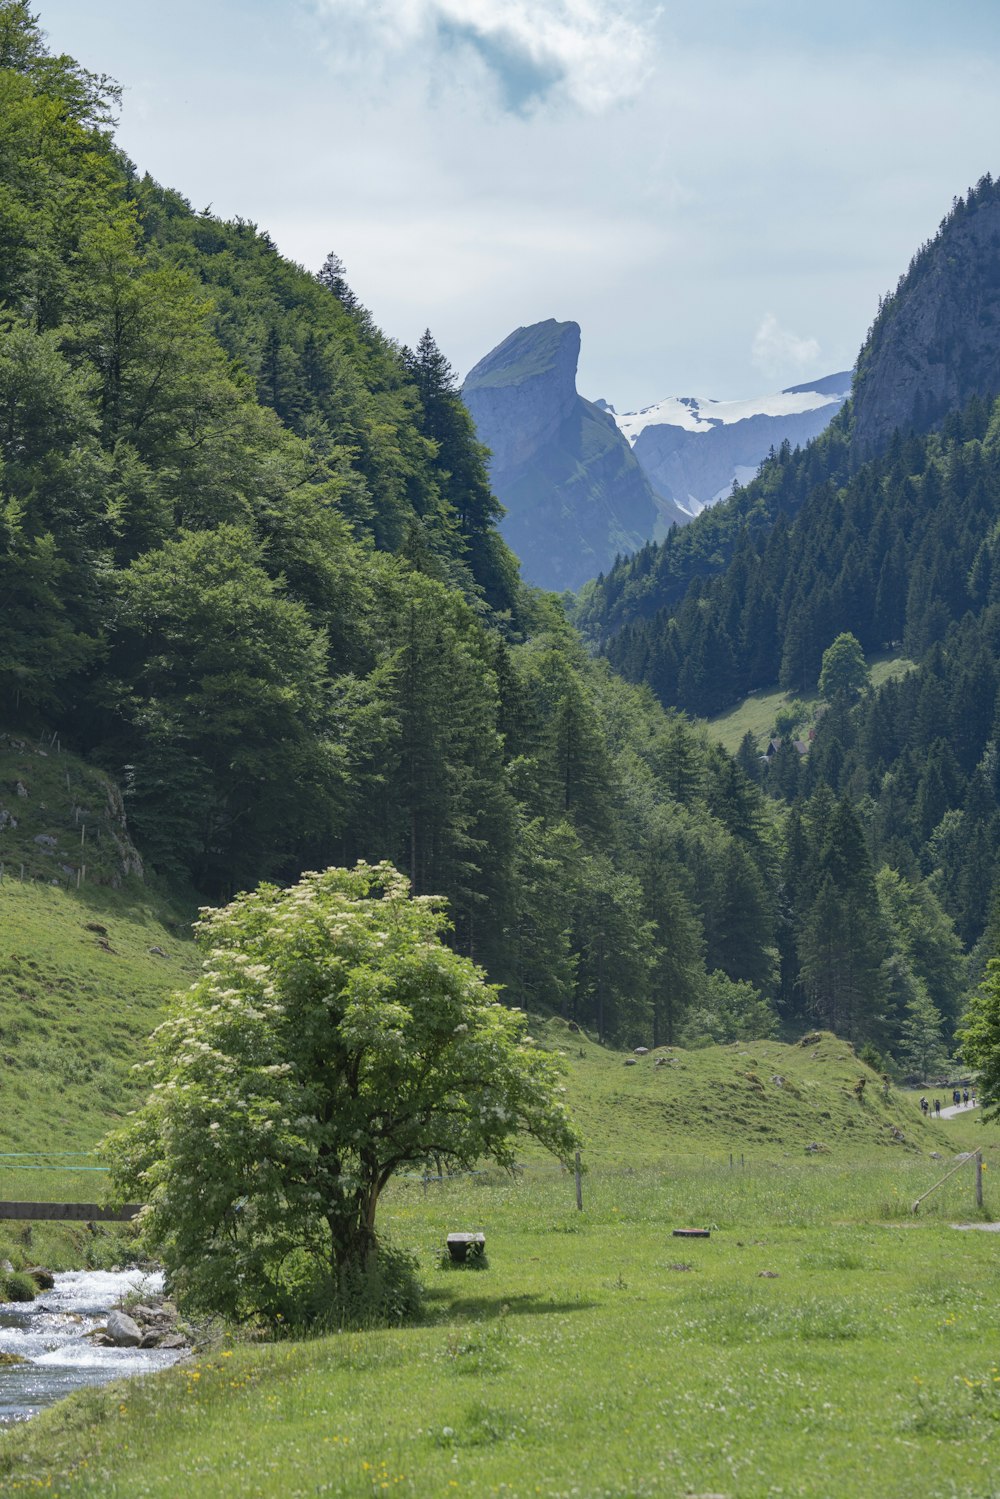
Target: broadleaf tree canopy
(979, 1038)
(332, 1040)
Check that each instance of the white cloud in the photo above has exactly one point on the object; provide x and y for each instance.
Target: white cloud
(595, 53)
(777, 352)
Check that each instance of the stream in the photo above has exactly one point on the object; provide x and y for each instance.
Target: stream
(50, 1334)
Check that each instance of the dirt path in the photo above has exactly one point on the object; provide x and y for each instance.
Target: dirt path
(952, 1110)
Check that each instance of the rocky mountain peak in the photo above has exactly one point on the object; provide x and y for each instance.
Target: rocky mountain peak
(936, 342)
(574, 494)
(524, 389)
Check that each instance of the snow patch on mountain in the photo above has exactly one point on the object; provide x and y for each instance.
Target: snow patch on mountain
(701, 414)
(693, 449)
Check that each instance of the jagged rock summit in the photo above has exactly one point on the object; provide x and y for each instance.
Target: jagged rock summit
(935, 343)
(575, 496)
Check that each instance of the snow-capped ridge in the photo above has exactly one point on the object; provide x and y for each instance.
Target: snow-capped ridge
(694, 448)
(702, 413)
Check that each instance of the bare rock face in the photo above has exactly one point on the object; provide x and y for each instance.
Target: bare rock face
(936, 343)
(574, 494)
(524, 390)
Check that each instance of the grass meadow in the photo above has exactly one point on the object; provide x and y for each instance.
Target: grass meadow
(757, 712)
(821, 1342)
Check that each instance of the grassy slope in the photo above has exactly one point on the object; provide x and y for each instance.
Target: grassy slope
(73, 1020)
(756, 713)
(583, 1359)
(80, 984)
(727, 1099)
(821, 1336)
(530, 352)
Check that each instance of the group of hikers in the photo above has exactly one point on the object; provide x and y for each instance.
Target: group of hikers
(960, 1097)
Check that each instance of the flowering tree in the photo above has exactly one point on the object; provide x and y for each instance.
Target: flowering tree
(332, 1040)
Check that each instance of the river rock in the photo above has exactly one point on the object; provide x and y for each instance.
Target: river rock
(123, 1331)
(172, 1340)
(153, 1314)
(44, 1279)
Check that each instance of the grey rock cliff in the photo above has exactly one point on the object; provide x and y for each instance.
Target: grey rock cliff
(936, 343)
(524, 390)
(575, 496)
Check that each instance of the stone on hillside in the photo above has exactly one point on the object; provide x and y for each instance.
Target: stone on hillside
(631, 1062)
(123, 1331)
(642, 1051)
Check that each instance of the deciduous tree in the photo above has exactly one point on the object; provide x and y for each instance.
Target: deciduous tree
(332, 1041)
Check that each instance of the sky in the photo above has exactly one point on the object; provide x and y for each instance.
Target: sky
(718, 193)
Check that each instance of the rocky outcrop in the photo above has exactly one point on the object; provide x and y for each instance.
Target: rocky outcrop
(574, 494)
(936, 343)
(521, 394)
(153, 1326)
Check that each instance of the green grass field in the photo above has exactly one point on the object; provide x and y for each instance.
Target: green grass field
(757, 712)
(820, 1342)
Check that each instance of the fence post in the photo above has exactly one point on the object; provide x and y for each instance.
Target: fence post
(979, 1178)
(579, 1185)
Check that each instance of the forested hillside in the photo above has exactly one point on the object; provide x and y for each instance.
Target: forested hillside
(900, 550)
(249, 567)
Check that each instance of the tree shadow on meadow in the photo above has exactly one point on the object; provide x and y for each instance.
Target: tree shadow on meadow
(481, 1307)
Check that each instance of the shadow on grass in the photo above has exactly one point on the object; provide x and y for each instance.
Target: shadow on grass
(508, 1306)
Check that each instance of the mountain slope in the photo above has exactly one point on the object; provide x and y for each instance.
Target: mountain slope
(930, 351)
(935, 343)
(575, 496)
(693, 450)
(250, 570)
(900, 549)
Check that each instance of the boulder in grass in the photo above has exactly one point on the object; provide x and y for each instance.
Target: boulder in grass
(172, 1340)
(44, 1279)
(123, 1331)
